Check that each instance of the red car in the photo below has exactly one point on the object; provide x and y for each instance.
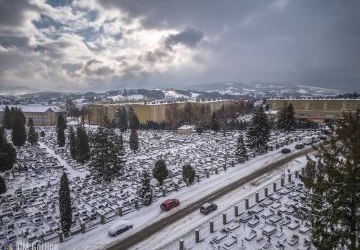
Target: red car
(169, 204)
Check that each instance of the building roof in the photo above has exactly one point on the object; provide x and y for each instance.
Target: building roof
(34, 108)
(328, 98)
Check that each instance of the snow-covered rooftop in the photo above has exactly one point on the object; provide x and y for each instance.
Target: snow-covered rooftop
(34, 108)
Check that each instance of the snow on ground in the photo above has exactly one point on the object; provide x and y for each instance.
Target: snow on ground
(116, 98)
(168, 237)
(69, 170)
(170, 94)
(99, 238)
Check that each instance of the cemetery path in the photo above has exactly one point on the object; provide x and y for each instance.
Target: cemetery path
(148, 231)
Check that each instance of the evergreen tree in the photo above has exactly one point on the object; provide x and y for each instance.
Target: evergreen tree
(121, 119)
(333, 202)
(2, 185)
(18, 135)
(119, 144)
(146, 192)
(107, 161)
(133, 119)
(259, 131)
(60, 129)
(241, 152)
(7, 153)
(160, 171)
(215, 126)
(7, 118)
(286, 118)
(32, 135)
(290, 118)
(188, 173)
(82, 147)
(281, 119)
(134, 140)
(65, 204)
(72, 143)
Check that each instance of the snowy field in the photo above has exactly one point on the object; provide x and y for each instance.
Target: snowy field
(29, 210)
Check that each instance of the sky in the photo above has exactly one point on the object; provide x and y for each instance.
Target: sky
(110, 44)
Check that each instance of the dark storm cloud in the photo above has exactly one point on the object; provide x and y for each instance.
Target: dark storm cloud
(203, 13)
(12, 11)
(95, 67)
(8, 41)
(188, 37)
(300, 41)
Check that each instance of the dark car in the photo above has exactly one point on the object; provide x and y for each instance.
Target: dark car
(169, 204)
(207, 208)
(285, 151)
(299, 146)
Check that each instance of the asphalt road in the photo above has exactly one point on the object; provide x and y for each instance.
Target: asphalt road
(157, 226)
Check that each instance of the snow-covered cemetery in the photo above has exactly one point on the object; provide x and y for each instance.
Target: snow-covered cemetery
(79, 186)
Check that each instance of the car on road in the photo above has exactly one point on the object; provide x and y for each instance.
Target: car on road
(285, 151)
(169, 204)
(120, 227)
(207, 208)
(299, 146)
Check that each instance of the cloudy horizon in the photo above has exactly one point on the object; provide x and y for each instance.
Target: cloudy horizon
(107, 44)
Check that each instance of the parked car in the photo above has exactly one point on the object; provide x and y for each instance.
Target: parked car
(285, 151)
(299, 146)
(169, 204)
(120, 227)
(207, 208)
(307, 140)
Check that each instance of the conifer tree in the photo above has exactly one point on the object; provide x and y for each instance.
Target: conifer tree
(281, 119)
(121, 119)
(60, 129)
(33, 136)
(7, 118)
(119, 144)
(146, 192)
(133, 119)
(286, 118)
(290, 118)
(106, 162)
(188, 173)
(160, 171)
(333, 202)
(134, 140)
(72, 143)
(7, 153)
(259, 131)
(2, 185)
(241, 152)
(65, 204)
(82, 148)
(215, 126)
(18, 135)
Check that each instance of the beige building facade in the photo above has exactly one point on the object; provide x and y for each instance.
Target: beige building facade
(317, 109)
(41, 115)
(157, 112)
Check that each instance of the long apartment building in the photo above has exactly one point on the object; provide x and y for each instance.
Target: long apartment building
(152, 111)
(317, 109)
